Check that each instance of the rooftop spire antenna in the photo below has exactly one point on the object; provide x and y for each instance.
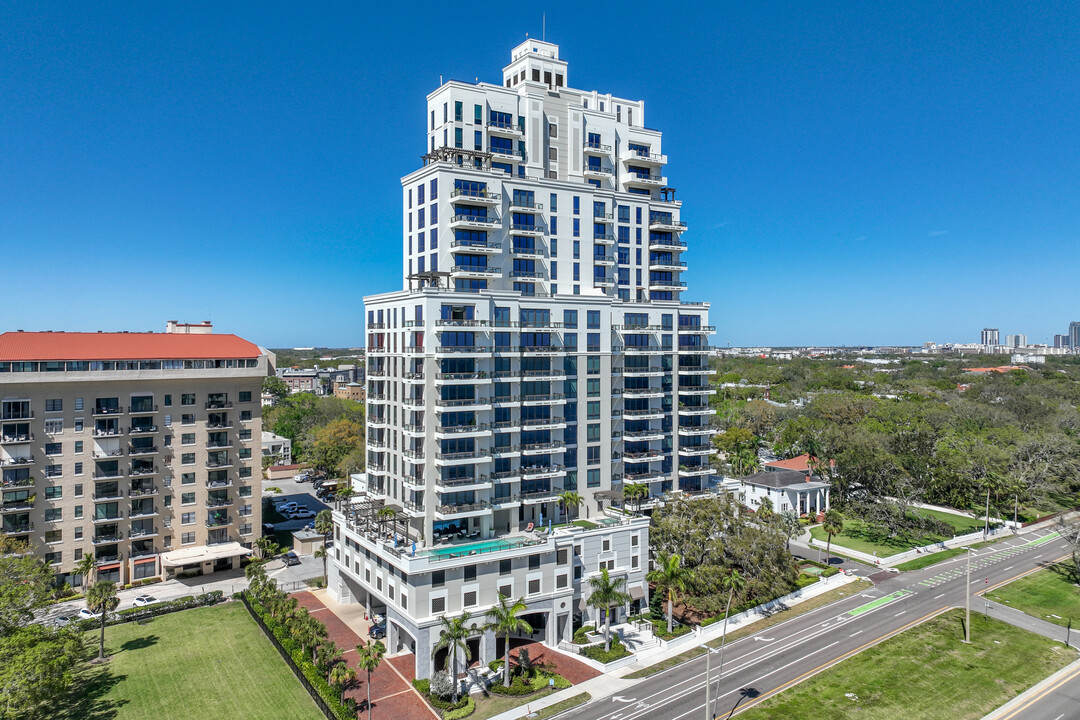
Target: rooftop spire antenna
(544, 27)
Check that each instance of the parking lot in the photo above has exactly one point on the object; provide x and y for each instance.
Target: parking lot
(303, 494)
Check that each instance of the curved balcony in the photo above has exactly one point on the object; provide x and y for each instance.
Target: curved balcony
(475, 271)
(666, 244)
(642, 180)
(475, 246)
(641, 157)
(667, 285)
(669, 266)
(474, 222)
(595, 148)
(666, 225)
(695, 430)
(527, 230)
(477, 197)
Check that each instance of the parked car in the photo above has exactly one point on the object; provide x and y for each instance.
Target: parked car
(268, 528)
(62, 620)
(144, 600)
(291, 558)
(378, 631)
(286, 508)
(301, 514)
(86, 614)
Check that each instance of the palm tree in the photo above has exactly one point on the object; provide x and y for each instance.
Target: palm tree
(503, 620)
(634, 492)
(765, 510)
(744, 460)
(671, 578)
(324, 524)
(368, 658)
(833, 525)
(85, 567)
(735, 583)
(322, 553)
(268, 547)
(569, 499)
(453, 638)
(341, 497)
(384, 514)
(607, 592)
(101, 598)
(341, 676)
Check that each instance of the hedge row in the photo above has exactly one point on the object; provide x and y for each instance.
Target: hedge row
(303, 662)
(597, 652)
(519, 686)
(423, 686)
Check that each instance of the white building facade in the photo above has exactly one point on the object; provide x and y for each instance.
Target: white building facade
(539, 345)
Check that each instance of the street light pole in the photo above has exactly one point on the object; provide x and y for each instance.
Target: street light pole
(708, 669)
(967, 600)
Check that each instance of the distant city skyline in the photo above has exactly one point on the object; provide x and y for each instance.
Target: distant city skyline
(852, 176)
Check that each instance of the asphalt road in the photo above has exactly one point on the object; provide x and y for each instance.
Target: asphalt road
(1058, 701)
(757, 667)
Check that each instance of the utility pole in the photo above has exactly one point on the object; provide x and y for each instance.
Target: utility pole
(708, 668)
(967, 600)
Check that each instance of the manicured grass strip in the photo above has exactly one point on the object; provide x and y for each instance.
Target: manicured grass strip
(1050, 594)
(940, 556)
(857, 537)
(925, 672)
(853, 588)
(492, 705)
(563, 705)
(191, 665)
(961, 523)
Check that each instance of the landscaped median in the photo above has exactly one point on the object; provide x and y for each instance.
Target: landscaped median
(1050, 594)
(925, 672)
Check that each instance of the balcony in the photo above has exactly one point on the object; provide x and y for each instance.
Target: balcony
(471, 456)
(146, 551)
(604, 217)
(143, 471)
(697, 471)
(520, 204)
(142, 429)
(539, 375)
(699, 329)
(506, 476)
(666, 244)
(539, 496)
(694, 430)
(18, 528)
(142, 409)
(17, 461)
(143, 512)
(667, 265)
(218, 520)
(644, 414)
(605, 239)
(644, 435)
(143, 491)
(479, 197)
(534, 471)
(691, 410)
(475, 508)
(219, 445)
(460, 484)
(554, 423)
(108, 474)
(694, 349)
(227, 425)
(15, 505)
(527, 229)
(533, 252)
(643, 477)
(642, 457)
(108, 518)
(651, 371)
(694, 370)
(219, 502)
(442, 431)
(464, 403)
(697, 390)
(557, 446)
(597, 171)
(413, 455)
(643, 180)
(455, 378)
(134, 450)
(16, 438)
(543, 399)
(27, 481)
(595, 148)
(642, 157)
(667, 285)
(667, 225)
(604, 259)
(649, 392)
(607, 281)
(218, 405)
(223, 463)
(502, 128)
(413, 509)
(476, 246)
(473, 222)
(696, 450)
(477, 271)
(103, 411)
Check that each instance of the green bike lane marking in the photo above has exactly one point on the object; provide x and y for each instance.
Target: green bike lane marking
(1048, 538)
(873, 604)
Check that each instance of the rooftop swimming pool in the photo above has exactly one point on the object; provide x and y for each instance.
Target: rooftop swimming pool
(476, 548)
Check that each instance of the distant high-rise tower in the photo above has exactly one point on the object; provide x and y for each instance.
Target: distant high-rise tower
(1016, 341)
(990, 336)
(1061, 341)
(1074, 334)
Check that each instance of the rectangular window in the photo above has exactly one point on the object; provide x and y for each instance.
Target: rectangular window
(457, 110)
(594, 319)
(438, 606)
(187, 518)
(54, 448)
(187, 399)
(577, 205)
(577, 227)
(54, 406)
(244, 396)
(553, 202)
(592, 478)
(534, 586)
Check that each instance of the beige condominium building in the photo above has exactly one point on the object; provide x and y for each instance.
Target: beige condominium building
(141, 449)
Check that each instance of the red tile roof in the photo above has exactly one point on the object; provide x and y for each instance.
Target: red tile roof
(27, 346)
(800, 462)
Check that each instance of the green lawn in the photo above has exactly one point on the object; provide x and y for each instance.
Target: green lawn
(194, 664)
(926, 673)
(1044, 594)
(856, 536)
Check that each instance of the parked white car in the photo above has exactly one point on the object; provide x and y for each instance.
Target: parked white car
(144, 600)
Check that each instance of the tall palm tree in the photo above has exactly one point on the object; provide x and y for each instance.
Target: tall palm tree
(671, 579)
(569, 499)
(341, 676)
(86, 565)
(765, 509)
(734, 582)
(368, 658)
(607, 592)
(635, 492)
(101, 598)
(453, 637)
(324, 524)
(322, 553)
(341, 497)
(833, 525)
(503, 620)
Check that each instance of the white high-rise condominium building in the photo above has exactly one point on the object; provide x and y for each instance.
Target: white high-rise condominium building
(990, 336)
(539, 345)
(1016, 341)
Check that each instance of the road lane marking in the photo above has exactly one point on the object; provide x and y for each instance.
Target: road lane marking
(900, 613)
(873, 604)
(1041, 694)
(855, 633)
(939, 596)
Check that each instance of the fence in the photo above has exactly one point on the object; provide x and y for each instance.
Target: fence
(330, 714)
(908, 554)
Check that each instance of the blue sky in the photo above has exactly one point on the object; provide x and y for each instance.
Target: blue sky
(850, 174)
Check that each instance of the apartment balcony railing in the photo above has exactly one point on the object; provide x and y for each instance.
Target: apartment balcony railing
(413, 454)
(218, 520)
(596, 148)
(520, 203)
(118, 516)
(479, 221)
(227, 482)
(98, 410)
(526, 229)
(18, 415)
(477, 246)
(226, 462)
(535, 422)
(143, 512)
(463, 508)
(17, 461)
(27, 481)
(482, 196)
(666, 244)
(143, 471)
(144, 450)
(541, 469)
(13, 505)
(504, 128)
(219, 502)
(142, 409)
(218, 405)
(142, 429)
(461, 402)
(554, 446)
(19, 528)
(108, 474)
(16, 438)
(462, 482)
(143, 491)
(144, 552)
(108, 432)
